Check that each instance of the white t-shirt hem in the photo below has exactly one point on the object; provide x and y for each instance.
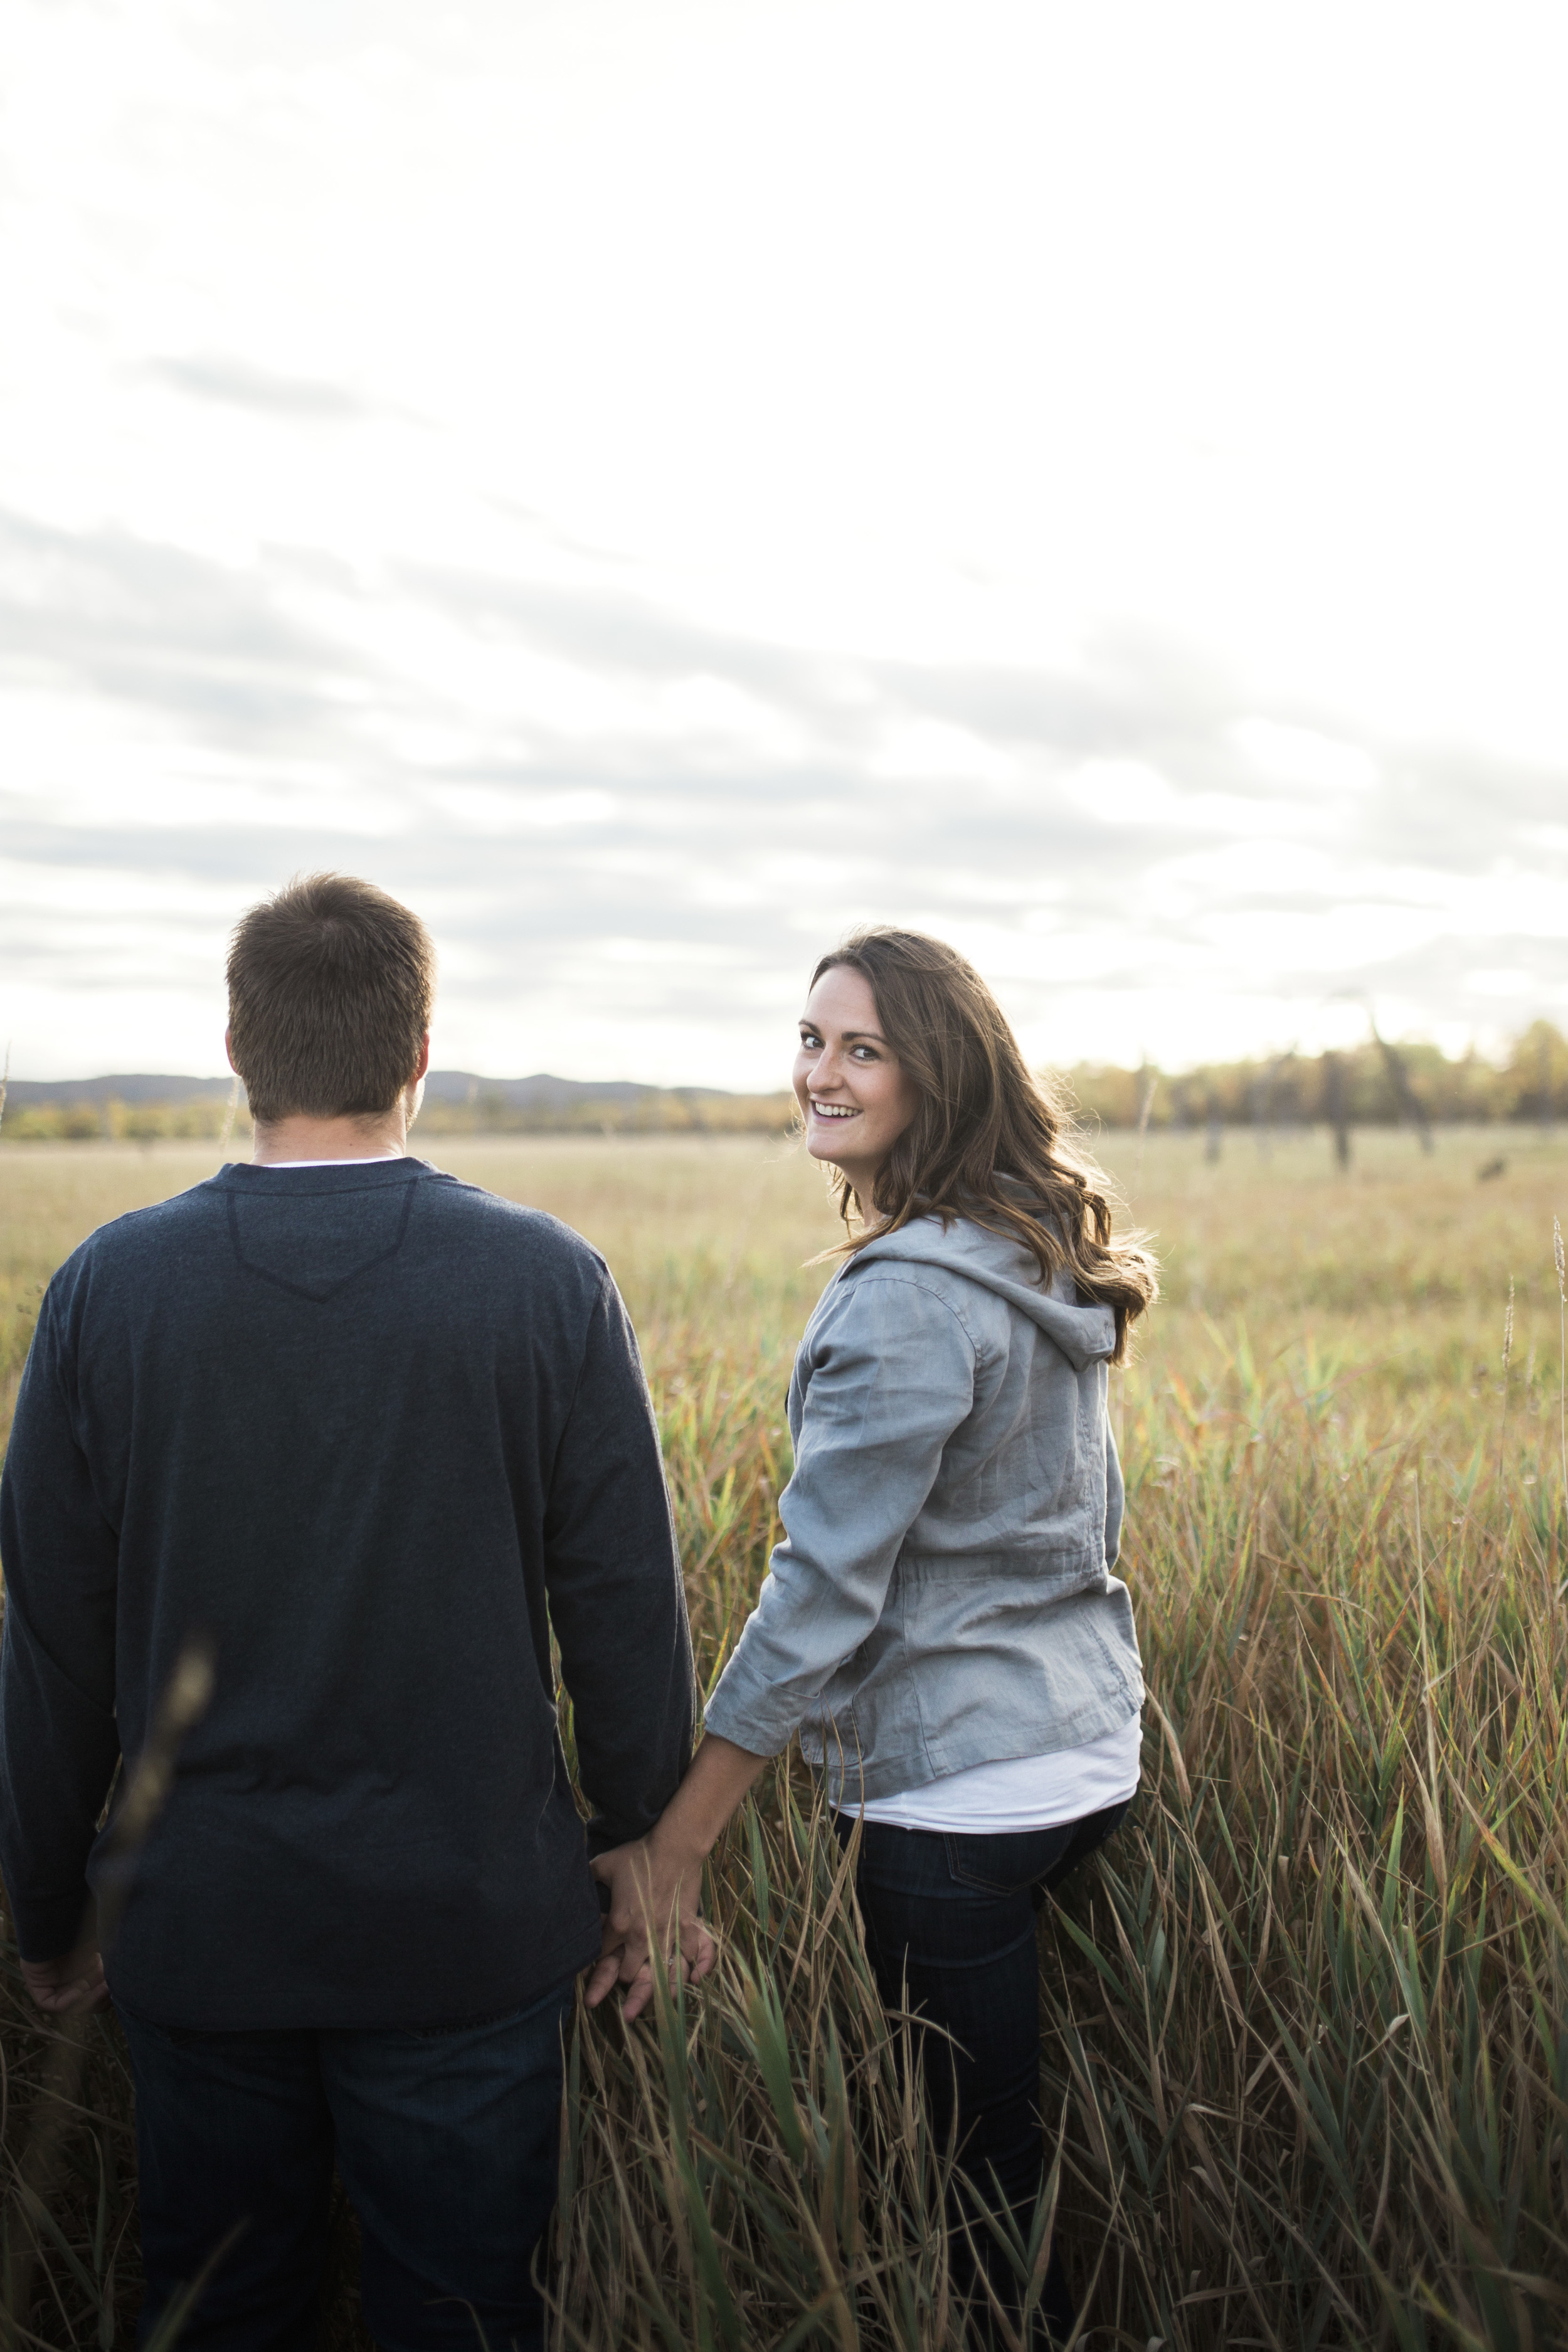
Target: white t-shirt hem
(1021, 1792)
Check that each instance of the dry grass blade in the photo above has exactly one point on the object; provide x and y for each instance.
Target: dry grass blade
(1307, 2016)
(35, 2176)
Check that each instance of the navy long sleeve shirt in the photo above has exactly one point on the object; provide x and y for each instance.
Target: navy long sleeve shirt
(370, 1434)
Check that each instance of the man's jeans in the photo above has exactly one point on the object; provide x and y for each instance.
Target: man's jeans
(447, 2142)
(950, 1929)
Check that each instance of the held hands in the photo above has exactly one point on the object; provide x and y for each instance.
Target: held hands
(655, 1883)
(653, 1890)
(73, 1982)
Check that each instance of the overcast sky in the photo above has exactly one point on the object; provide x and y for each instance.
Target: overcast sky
(655, 482)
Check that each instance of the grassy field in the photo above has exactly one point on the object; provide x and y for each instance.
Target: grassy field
(1308, 2046)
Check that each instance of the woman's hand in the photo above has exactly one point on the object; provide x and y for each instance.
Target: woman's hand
(655, 1884)
(653, 1895)
(75, 1981)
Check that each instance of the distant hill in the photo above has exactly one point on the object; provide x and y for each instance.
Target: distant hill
(540, 1092)
(1368, 1084)
(137, 1087)
(145, 1106)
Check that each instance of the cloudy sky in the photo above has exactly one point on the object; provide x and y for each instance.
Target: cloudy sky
(657, 481)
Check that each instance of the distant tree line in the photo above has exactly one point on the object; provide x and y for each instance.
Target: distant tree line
(664, 1110)
(1374, 1084)
(650, 1111)
(113, 1121)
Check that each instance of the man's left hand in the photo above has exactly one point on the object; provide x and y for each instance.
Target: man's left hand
(74, 1983)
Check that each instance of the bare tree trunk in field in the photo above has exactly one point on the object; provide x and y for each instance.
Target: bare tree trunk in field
(1409, 1102)
(1334, 1093)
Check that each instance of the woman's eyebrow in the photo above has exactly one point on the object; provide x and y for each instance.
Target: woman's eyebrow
(873, 1037)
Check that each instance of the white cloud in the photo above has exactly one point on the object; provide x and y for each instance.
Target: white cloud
(1298, 755)
(657, 483)
(487, 809)
(1508, 980)
(1125, 793)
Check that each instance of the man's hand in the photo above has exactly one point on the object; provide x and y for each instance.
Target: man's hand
(73, 1982)
(653, 1889)
(655, 1883)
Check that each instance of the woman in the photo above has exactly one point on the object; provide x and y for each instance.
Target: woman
(940, 1623)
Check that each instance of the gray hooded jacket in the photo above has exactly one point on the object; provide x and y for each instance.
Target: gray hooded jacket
(942, 1596)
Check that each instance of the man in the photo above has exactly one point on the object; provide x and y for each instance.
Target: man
(368, 1436)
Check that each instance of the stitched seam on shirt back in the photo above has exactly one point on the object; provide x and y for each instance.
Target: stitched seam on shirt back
(319, 1297)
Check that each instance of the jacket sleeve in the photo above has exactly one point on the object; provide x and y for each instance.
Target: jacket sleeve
(1115, 1495)
(58, 1739)
(892, 1377)
(612, 1573)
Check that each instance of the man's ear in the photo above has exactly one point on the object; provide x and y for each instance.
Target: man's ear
(422, 1065)
(228, 1049)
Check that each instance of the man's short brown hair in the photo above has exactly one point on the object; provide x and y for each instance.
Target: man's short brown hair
(330, 988)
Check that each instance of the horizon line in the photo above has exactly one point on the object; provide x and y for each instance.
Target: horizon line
(1144, 1069)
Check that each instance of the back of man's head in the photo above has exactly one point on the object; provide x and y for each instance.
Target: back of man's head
(330, 988)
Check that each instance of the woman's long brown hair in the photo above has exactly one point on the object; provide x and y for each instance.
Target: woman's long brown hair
(984, 1119)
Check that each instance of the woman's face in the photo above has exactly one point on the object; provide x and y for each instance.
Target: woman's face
(854, 1098)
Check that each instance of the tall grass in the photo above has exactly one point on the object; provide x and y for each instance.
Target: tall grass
(1307, 2048)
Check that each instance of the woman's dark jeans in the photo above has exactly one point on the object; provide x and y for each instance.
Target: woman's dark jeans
(950, 1932)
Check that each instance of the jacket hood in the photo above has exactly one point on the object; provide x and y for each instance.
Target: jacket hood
(1086, 1334)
